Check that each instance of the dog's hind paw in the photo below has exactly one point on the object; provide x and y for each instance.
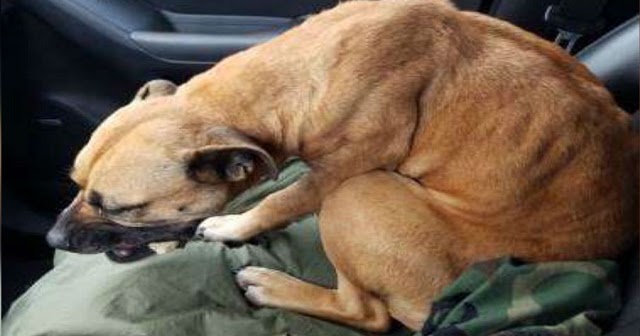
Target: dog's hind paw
(265, 287)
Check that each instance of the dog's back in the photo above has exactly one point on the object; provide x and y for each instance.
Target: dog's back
(515, 141)
(525, 151)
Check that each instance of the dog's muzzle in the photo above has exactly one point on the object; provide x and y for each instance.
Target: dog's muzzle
(120, 243)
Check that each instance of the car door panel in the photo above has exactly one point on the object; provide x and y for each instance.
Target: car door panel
(208, 38)
(142, 40)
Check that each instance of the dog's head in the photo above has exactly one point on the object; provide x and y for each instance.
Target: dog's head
(150, 174)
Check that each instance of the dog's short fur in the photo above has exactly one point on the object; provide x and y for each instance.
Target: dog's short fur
(436, 138)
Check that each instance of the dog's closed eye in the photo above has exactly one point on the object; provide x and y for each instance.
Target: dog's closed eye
(96, 200)
(127, 208)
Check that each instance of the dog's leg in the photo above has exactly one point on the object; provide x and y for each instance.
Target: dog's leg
(274, 212)
(347, 304)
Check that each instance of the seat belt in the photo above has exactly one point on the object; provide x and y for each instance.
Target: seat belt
(575, 18)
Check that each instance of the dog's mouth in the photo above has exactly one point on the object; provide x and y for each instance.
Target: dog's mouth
(132, 244)
(126, 252)
(123, 253)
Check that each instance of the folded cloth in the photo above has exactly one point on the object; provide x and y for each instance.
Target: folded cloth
(192, 292)
(504, 297)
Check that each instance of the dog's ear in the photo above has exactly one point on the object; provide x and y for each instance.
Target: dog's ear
(155, 88)
(230, 157)
(215, 164)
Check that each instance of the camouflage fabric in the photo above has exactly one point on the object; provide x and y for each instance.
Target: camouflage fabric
(504, 297)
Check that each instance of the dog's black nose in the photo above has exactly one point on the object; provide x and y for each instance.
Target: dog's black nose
(58, 239)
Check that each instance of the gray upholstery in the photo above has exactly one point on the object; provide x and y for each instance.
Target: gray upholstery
(615, 59)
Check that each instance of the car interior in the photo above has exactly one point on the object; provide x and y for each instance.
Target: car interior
(67, 64)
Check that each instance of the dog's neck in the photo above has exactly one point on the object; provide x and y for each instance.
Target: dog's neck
(256, 99)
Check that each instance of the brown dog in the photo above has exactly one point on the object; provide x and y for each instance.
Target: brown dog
(436, 138)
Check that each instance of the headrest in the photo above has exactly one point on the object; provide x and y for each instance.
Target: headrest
(615, 59)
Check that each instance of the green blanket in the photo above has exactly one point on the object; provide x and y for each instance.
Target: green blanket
(192, 292)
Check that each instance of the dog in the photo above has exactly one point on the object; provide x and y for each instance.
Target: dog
(436, 138)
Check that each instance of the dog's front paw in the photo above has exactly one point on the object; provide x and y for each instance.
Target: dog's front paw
(230, 228)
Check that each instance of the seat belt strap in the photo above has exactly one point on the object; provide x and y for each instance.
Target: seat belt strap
(574, 19)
